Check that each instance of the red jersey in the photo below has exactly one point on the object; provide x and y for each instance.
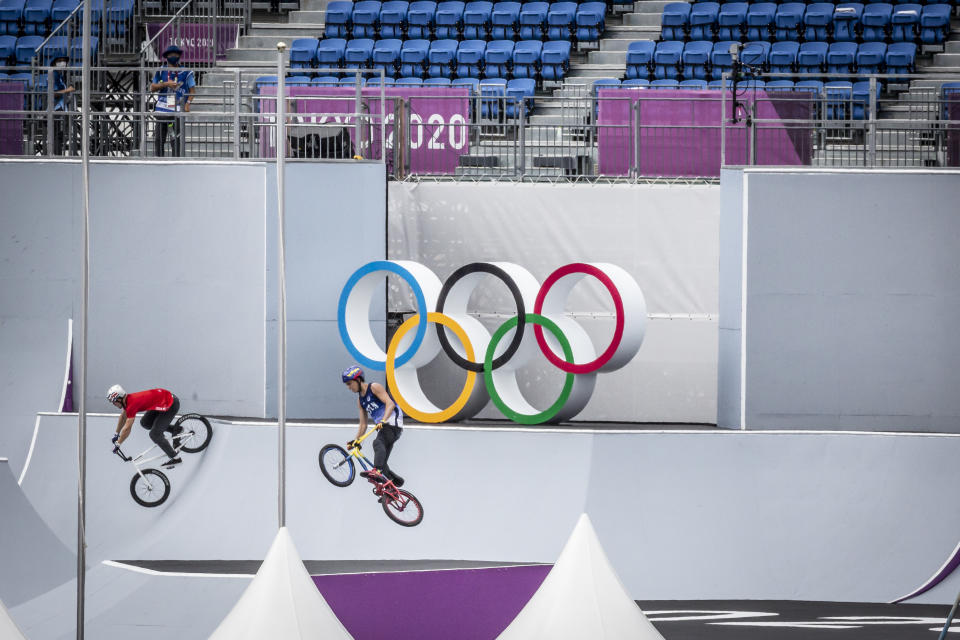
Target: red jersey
(154, 399)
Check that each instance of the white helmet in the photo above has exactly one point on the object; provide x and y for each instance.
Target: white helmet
(115, 393)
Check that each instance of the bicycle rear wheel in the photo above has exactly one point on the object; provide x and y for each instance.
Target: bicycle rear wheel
(337, 465)
(403, 508)
(196, 434)
(151, 489)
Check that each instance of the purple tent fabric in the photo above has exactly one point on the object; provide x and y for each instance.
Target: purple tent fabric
(11, 126)
(200, 42)
(680, 131)
(467, 604)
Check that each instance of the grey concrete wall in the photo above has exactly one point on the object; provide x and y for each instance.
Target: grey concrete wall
(853, 300)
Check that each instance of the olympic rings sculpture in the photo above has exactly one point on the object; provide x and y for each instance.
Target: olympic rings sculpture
(499, 356)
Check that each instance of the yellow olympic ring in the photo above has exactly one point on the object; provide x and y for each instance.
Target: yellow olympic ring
(461, 401)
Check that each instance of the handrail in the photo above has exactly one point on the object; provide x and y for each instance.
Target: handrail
(59, 26)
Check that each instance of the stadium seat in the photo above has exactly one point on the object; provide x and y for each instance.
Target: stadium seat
(756, 54)
(870, 57)
(449, 20)
(789, 21)
(325, 81)
(666, 59)
(905, 23)
(717, 84)
(520, 91)
(358, 53)
(841, 58)
(591, 21)
(876, 21)
(783, 57)
(693, 84)
(703, 20)
(413, 58)
(760, 21)
(635, 83)
(813, 87)
(473, 84)
(779, 85)
(76, 50)
(640, 59)
(386, 56)
(393, 19)
(408, 82)
(436, 82)
(264, 81)
(505, 21)
(118, 15)
(720, 58)
(731, 20)
(11, 14)
(337, 19)
(555, 59)
(442, 58)
(696, 59)
(62, 9)
(846, 22)
(664, 83)
(675, 21)
(533, 20)
(935, 23)
(562, 21)
(812, 57)
(526, 58)
(470, 58)
(26, 48)
(861, 99)
(366, 18)
(329, 52)
(36, 17)
(55, 47)
(497, 58)
(818, 20)
(949, 94)
(298, 81)
(751, 84)
(303, 53)
(493, 91)
(605, 83)
(375, 81)
(476, 20)
(420, 19)
(900, 58)
(8, 50)
(839, 96)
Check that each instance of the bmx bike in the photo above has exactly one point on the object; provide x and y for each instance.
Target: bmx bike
(337, 465)
(151, 487)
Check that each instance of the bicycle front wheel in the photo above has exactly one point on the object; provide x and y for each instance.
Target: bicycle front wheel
(403, 508)
(196, 434)
(337, 465)
(150, 488)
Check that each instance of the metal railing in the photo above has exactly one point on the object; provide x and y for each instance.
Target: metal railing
(203, 29)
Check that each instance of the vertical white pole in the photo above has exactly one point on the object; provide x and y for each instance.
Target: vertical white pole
(281, 261)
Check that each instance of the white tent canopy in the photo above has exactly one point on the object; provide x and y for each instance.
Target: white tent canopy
(8, 628)
(582, 597)
(282, 602)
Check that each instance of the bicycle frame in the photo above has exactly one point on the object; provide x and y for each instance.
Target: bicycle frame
(139, 462)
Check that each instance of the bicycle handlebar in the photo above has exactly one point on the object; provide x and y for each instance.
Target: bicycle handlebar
(125, 458)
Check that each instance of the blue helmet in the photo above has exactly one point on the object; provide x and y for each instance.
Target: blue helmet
(352, 373)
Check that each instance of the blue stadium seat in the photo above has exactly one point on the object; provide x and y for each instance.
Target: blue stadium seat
(779, 85)
(413, 58)
(533, 20)
(520, 91)
(55, 47)
(901, 57)
(591, 21)
(298, 81)
(473, 84)
(449, 20)
(11, 13)
(760, 21)
(635, 83)
(555, 59)
(324, 81)
(505, 21)
(8, 50)
(817, 18)
(731, 21)
(264, 81)
(476, 20)
(640, 59)
(935, 23)
(841, 58)
(393, 19)
(717, 84)
(118, 16)
(666, 59)
(809, 86)
(839, 96)
(693, 84)
(720, 58)
(366, 18)
(870, 57)
(861, 99)
(442, 58)
(703, 20)
(905, 22)
(783, 57)
(526, 58)
(303, 53)
(756, 54)
(386, 56)
(846, 21)
(949, 93)
(497, 58)
(751, 84)
(675, 21)
(408, 82)
(492, 93)
(76, 50)
(876, 21)
(62, 9)
(375, 81)
(436, 82)
(337, 19)
(329, 52)
(696, 59)
(420, 19)
(358, 53)
(664, 83)
(470, 58)
(789, 20)
(36, 17)
(26, 48)
(351, 81)
(812, 57)
(562, 21)
(604, 83)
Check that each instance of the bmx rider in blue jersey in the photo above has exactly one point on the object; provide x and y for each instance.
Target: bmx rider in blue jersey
(375, 401)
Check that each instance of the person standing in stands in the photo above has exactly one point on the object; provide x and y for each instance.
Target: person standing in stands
(62, 102)
(175, 88)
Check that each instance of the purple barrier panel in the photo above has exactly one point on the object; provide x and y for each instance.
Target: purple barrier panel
(11, 125)
(438, 132)
(953, 131)
(788, 141)
(200, 42)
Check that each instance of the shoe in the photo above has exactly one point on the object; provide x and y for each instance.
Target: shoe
(374, 475)
(397, 480)
(172, 462)
(176, 431)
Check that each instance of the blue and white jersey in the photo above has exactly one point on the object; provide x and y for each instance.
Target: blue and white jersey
(374, 408)
(169, 100)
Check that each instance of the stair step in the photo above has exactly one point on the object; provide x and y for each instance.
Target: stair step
(642, 19)
(616, 58)
(616, 44)
(634, 31)
(284, 30)
(316, 18)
